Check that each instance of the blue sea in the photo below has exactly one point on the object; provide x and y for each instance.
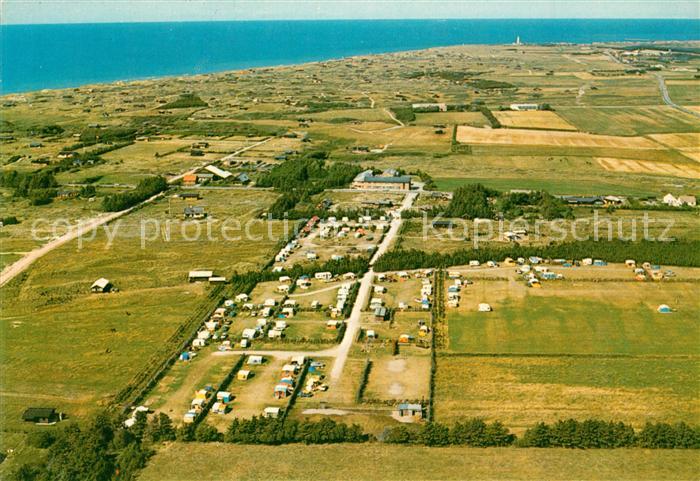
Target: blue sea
(36, 57)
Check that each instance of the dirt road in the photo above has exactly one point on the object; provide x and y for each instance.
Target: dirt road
(13, 270)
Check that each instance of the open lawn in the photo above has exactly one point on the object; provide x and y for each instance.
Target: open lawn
(81, 348)
(521, 391)
(576, 317)
(176, 390)
(253, 395)
(403, 463)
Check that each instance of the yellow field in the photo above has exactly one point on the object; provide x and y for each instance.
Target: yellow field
(535, 120)
(690, 141)
(472, 135)
(683, 82)
(648, 167)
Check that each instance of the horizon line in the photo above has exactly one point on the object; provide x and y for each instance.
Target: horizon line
(129, 22)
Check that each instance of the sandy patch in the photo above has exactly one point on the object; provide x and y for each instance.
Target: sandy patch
(396, 388)
(397, 365)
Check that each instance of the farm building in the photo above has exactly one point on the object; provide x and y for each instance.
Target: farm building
(524, 107)
(189, 179)
(409, 410)
(189, 195)
(199, 276)
(366, 180)
(218, 172)
(101, 285)
(443, 224)
(41, 415)
(195, 212)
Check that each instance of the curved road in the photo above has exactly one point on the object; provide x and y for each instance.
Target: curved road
(667, 97)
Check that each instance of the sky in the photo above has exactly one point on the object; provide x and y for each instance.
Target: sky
(95, 11)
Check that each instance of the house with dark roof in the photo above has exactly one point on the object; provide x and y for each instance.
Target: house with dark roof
(195, 212)
(41, 415)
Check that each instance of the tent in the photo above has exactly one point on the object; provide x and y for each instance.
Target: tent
(664, 309)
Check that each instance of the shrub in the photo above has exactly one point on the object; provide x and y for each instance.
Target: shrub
(40, 439)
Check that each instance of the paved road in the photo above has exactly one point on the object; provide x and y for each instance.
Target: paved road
(667, 97)
(341, 351)
(13, 270)
(365, 291)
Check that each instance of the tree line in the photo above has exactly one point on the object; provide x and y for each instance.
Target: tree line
(146, 188)
(275, 431)
(471, 432)
(103, 449)
(678, 253)
(593, 433)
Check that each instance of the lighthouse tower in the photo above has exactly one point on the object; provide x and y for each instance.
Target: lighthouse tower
(517, 40)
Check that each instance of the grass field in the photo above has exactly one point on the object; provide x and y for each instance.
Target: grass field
(649, 167)
(576, 318)
(475, 119)
(589, 186)
(36, 222)
(629, 120)
(533, 120)
(521, 391)
(130, 164)
(414, 463)
(81, 348)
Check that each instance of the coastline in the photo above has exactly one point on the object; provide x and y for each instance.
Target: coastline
(8, 96)
(128, 52)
